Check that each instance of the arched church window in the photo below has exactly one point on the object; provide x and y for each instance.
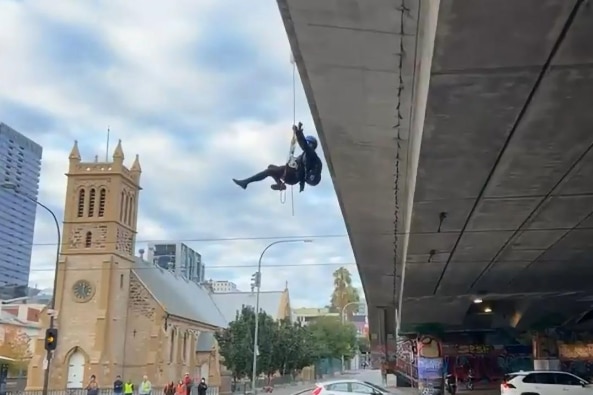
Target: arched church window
(184, 347)
(121, 206)
(131, 213)
(102, 197)
(88, 240)
(92, 196)
(126, 205)
(81, 196)
(172, 346)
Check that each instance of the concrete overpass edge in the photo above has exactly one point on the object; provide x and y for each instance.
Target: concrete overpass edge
(428, 21)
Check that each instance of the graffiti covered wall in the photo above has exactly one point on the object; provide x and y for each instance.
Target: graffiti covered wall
(486, 364)
(430, 365)
(577, 358)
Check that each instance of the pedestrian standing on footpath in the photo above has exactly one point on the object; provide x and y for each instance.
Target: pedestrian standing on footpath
(118, 386)
(188, 382)
(169, 389)
(92, 387)
(128, 388)
(145, 386)
(202, 387)
(180, 390)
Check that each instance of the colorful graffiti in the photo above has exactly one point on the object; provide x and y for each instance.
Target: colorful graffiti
(429, 347)
(486, 364)
(577, 358)
(430, 365)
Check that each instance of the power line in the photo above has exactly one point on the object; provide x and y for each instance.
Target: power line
(68, 269)
(321, 236)
(196, 240)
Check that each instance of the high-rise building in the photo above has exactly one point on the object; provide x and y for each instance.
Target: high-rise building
(178, 258)
(223, 286)
(20, 166)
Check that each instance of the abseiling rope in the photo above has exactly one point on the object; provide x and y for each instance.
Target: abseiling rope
(283, 193)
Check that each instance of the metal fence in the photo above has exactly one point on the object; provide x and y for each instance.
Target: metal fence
(103, 391)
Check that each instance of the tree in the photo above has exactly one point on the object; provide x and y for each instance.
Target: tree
(15, 345)
(333, 339)
(344, 293)
(268, 339)
(294, 347)
(236, 344)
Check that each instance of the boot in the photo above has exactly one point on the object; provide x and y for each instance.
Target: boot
(242, 183)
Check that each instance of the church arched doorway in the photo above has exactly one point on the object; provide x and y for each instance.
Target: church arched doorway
(76, 364)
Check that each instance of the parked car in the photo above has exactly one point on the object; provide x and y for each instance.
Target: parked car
(540, 382)
(349, 387)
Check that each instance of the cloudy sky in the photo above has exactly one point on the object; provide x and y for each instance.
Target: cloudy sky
(202, 91)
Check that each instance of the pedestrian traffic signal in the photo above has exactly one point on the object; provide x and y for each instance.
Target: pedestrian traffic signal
(51, 339)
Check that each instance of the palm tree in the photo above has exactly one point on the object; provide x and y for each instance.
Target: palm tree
(344, 292)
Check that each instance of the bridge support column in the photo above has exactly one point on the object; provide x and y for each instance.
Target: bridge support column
(545, 352)
(430, 365)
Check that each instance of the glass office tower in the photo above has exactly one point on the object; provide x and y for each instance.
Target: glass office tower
(20, 166)
(179, 258)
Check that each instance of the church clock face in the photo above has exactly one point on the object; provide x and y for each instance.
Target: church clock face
(83, 291)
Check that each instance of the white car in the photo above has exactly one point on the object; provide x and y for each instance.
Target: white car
(348, 387)
(543, 382)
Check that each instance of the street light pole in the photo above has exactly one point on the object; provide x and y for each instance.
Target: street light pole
(52, 302)
(343, 317)
(258, 286)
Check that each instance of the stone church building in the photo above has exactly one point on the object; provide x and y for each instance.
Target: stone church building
(116, 313)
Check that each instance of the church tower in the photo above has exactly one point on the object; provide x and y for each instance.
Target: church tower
(93, 276)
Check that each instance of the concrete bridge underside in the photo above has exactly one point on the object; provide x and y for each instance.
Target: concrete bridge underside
(495, 188)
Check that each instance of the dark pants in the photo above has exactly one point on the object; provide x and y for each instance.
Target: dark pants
(280, 174)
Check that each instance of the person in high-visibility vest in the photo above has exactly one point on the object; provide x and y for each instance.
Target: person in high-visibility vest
(181, 389)
(128, 388)
(145, 386)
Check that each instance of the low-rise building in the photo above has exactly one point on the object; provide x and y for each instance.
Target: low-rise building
(306, 315)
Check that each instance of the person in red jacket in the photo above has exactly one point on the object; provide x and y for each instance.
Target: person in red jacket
(188, 382)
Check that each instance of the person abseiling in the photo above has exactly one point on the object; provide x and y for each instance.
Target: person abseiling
(306, 170)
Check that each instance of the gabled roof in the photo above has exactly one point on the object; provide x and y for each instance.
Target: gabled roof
(179, 296)
(230, 303)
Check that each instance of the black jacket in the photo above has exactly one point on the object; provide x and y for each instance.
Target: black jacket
(118, 386)
(202, 388)
(309, 163)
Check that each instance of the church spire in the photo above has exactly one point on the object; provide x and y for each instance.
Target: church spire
(118, 154)
(136, 165)
(75, 153)
(74, 156)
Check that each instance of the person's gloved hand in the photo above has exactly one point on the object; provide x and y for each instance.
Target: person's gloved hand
(301, 187)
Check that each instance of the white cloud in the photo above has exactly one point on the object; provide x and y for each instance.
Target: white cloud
(195, 123)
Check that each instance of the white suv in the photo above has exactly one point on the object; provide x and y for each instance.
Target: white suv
(540, 382)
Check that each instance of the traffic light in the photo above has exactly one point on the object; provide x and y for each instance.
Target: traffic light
(256, 280)
(51, 339)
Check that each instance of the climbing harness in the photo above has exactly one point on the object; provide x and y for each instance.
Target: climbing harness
(291, 162)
